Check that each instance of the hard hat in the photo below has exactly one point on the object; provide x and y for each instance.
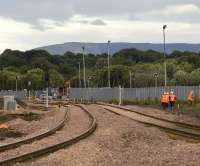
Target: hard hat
(191, 92)
(171, 92)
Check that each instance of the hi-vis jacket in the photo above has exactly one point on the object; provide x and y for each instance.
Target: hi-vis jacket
(165, 99)
(172, 98)
(190, 97)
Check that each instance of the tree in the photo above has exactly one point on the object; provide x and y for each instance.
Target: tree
(181, 77)
(195, 77)
(36, 76)
(56, 79)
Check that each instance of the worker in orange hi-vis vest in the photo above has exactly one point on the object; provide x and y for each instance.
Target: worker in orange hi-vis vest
(165, 100)
(172, 99)
(190, 97)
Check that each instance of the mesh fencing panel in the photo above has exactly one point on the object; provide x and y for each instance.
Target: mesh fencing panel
(107, 94)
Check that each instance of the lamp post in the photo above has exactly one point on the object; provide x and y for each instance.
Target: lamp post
(16, 83)
(130, 74)
(164, 49)
(83, 48)
(156, 84)
(79, 74)
(109, 63)
(29, 91)
(89, 78)
(47, 88)
(156, 79)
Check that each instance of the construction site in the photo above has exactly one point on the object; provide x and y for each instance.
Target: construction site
(88, 129)
(99, 83)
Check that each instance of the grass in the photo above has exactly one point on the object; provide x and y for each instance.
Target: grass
(182, 105)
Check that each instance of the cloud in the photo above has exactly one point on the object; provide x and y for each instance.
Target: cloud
(177, 13)
(98, 22)
(87, 20)
(26, 24)
(46, 24)
(61, 10)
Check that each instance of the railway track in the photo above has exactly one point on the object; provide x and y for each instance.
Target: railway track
(37, 137)
(53, 147)
(181, 129)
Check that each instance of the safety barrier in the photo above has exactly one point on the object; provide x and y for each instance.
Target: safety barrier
(19, 94)
(107, 94)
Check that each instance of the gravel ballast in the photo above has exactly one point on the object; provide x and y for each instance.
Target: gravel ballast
(29, 129)
(119, 141)
(175, 116)
(78, 122)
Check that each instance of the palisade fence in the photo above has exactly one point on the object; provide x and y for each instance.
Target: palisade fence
(19, 94)
(108, 94)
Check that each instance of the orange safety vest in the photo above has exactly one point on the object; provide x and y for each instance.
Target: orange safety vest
(190, 97)
(165, 99)
(172, 98)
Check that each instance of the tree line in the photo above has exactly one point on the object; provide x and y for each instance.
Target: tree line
(128, 67)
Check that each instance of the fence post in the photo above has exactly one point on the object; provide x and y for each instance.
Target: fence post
(120, 95)
(199, 92)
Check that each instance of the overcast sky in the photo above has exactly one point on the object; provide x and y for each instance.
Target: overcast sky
(26, 24)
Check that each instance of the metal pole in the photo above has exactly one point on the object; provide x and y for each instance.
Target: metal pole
(88, 83)
(29, 92)
(79, 74)
(120, 95)
(47, 98)
(130, 73)
(165, 65)
(156, 85)
(16, 85)
(84, 67)
(109, 64)
(156, 82)
(29, 95)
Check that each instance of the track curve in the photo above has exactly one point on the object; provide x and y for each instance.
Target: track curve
(54, 147)
(37, 137)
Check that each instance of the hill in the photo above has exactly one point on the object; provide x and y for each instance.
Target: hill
(99, 48)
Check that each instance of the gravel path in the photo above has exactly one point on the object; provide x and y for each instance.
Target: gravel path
(119, 141)
(186, 118)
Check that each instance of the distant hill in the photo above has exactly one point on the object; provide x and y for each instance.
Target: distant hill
(99, 48)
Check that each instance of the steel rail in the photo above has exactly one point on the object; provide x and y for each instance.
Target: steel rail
(171, 126)
(187, 125)
(53, 148)
(39, 136)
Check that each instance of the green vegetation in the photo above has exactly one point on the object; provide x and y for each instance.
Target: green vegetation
(183, 68)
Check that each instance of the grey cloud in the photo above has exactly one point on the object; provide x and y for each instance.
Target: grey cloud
(83, 22)
(98, 22)
(62, 10)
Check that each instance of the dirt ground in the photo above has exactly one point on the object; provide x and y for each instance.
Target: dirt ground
(119, 141)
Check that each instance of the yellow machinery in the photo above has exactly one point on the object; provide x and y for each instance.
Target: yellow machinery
(64, 91)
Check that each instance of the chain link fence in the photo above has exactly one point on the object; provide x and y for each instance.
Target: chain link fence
(108, 94)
